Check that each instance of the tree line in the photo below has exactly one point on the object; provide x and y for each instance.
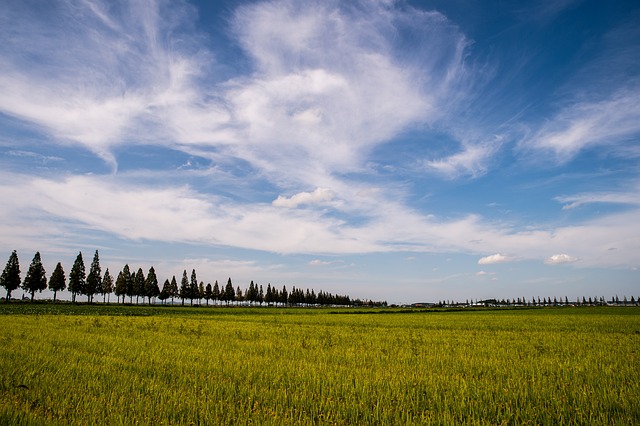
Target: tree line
(545, 301)
(130, 283)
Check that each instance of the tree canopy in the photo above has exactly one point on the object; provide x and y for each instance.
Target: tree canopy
(57, 281)
(36, 279)
(77, 277)
(10, 278)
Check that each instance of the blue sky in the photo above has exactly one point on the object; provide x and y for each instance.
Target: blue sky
(398, 150)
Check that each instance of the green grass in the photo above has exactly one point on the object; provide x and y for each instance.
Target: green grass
(76, 364)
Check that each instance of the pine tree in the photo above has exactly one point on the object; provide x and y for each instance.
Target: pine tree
(121, 287)
(184, 287)
(252, 293)
(10, 278)
(94, 279)
(36, 279)
(77, 278)
(229, 292)
(151, 288)
(57, 281)
(165, 293)
(138, 285)
(127, 279)
(106, 288)
(201, 292)
(216, 292)
(208, 293)
(193, 287)
(268, 297)
(174, 289)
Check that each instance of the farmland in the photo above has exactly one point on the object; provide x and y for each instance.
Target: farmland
(77, 364)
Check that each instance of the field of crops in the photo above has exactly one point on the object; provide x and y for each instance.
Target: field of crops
(66, 364)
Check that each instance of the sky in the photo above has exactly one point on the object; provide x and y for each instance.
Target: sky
(407, 151)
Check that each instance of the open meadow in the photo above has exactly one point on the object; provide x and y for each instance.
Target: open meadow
(78, 364)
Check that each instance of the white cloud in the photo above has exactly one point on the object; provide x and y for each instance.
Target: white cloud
(70, 211)
(330, 84)
(471, 161)
(558, 259)
(318, 262)
(318, 196)
(100, 74)
(495, 258)
(631, 198)
(611, 121)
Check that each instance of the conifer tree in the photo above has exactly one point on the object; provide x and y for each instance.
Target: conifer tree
(268, 297)
(138, 285)
(77, 278)
(174, 289)
(166, 291)
(184, 287)
(238, 296)
(216, 291)
(121, 287)
(10, 278)
(208, 293)
(193, 287)
(94, 279)
(229, 292)
(201, 292)
(151, 288)
(127, 279)
(106, 288)
(57, 281)
(36, 279)
(251, 294)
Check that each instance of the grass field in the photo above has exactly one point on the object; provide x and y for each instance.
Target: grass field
(67, 364)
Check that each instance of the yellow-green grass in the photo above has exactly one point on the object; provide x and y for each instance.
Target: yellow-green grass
(283, 366)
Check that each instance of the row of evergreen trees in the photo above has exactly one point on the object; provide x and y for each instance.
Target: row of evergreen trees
(135, 284)
(545, 301)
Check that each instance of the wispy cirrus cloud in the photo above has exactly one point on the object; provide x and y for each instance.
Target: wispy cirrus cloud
(613, 121)
(630, 197)
(329, 82)
(101, 74)
(332, 82)
(473, 161)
